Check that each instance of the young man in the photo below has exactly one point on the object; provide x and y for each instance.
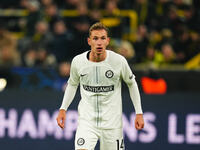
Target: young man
(99, 73)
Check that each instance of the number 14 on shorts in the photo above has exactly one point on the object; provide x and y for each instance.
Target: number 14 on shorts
(120, 144)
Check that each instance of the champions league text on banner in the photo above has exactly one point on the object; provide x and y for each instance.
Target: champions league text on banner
(172, 121)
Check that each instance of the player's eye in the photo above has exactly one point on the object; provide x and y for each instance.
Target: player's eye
(103, 38)
(95, 38)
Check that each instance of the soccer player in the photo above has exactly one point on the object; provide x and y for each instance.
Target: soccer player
(99, 73)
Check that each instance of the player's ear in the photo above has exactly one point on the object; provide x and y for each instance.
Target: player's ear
(89, 41)
(108, 40)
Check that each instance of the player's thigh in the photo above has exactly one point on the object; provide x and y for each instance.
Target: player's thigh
(112, 140)
(86, 138)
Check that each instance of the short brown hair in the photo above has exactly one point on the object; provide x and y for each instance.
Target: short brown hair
(98, 26)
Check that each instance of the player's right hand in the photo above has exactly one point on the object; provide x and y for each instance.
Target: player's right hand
(61, 118)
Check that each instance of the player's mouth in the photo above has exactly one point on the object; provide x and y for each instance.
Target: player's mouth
(99, 49)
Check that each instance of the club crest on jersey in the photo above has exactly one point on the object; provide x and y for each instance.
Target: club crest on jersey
(109, 74)
(80, 141)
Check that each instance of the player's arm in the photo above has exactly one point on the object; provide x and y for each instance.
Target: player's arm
(129, 78)
(70, 92)
(135, 97)
(67, 99)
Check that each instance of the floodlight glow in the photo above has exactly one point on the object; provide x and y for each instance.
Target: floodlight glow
(3, 84)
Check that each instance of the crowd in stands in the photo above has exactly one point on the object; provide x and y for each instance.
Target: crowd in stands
(168, 31)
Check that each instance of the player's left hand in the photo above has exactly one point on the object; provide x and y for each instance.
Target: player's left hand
(139, 121)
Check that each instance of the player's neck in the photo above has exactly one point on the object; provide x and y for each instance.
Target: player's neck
(97, 57)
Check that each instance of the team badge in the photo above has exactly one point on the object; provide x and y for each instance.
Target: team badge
(80, 141)
(109, 74)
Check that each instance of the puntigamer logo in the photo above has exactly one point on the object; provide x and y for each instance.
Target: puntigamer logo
(98, 89)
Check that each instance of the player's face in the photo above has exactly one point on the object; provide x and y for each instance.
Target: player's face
(98, 41)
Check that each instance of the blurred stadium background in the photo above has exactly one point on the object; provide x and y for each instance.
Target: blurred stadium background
(159, 38)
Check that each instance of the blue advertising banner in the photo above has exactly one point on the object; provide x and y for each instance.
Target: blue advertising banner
(28, 121)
